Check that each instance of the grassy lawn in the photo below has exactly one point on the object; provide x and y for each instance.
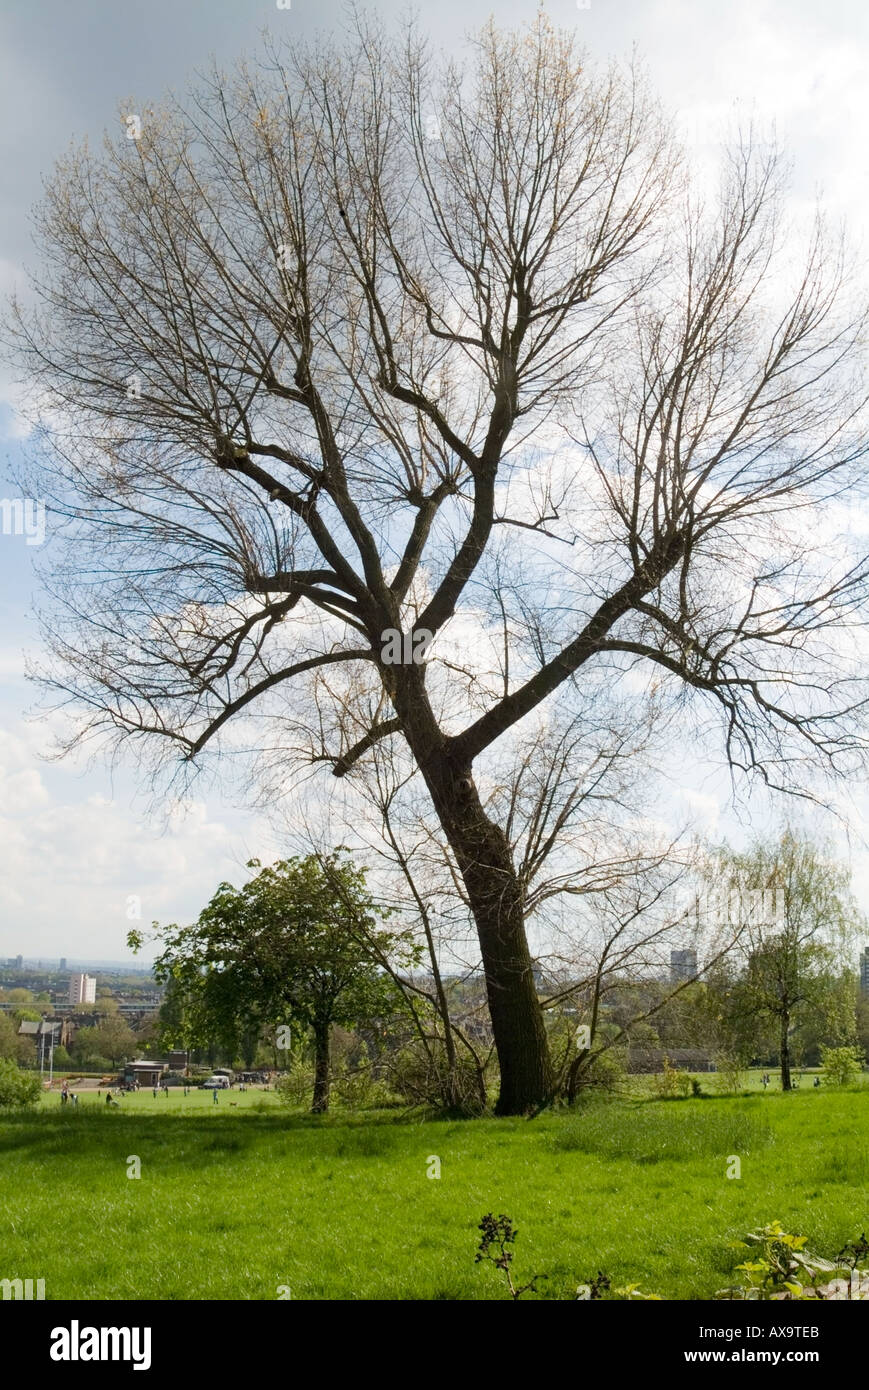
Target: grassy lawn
(235, 1200)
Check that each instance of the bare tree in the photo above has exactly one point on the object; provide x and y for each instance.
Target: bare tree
(337, 346)
(619, 950)
(570, 791)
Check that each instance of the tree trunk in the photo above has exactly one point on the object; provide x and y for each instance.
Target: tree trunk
(322, 1073)
(495, 896)
(785, 1052)
(573, 1076)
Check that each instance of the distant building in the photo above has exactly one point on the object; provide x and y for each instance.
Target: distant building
(683, 965)
(146, 1073)
(864, 972)
(47, 1034)
(19, 962)
(82, 989)
(63, 962)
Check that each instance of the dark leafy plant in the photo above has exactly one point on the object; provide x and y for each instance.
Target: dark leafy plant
(497, 1234)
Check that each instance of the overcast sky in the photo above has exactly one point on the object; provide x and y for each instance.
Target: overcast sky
(77, 844)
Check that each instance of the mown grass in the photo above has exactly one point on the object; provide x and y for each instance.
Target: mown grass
(237, 1200)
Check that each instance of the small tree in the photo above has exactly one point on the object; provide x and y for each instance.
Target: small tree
(789, 959)
(842, 1065)
(18, 1089)
(298, 943)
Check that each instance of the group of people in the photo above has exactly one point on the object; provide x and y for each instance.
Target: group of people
(67, 1096)
(765, 1080)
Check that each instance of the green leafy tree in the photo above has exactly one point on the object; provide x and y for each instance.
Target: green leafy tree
(25, 1052)
(298, 944)
(791, 955)
(842, 1065)
(110, 1039)
(86, 1046)
(834, 1024)
(8, 1036)
(18, 1089)
(148, 1036)
(116, 1040)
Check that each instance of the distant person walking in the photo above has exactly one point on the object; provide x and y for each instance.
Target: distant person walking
(214, 1096)
(64, 1093)
(155, 1092)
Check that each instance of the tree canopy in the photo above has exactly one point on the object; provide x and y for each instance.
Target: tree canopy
(297, 945)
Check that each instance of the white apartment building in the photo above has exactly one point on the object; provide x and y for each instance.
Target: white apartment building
(82, 989)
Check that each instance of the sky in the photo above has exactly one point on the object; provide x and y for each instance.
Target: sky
(84, 854)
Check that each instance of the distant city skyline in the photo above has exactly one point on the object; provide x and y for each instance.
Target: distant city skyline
(75, 964)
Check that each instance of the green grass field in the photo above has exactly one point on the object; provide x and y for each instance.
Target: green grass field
(237, 1200)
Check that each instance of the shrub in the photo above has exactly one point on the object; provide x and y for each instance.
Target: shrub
(296, 1086)
(670, 1082)
(841, 1065)
(423, 1078)
(730, 1075)
(604, 1074)
(18, 1089)
(780, 1268)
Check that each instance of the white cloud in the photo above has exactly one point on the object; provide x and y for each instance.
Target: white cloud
(70, 867)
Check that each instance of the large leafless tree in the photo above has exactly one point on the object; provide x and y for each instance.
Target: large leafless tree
(354, 343)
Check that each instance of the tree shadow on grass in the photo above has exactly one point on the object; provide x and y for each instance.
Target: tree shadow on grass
(198, 1139)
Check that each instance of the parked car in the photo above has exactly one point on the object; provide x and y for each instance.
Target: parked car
(215, 1083)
